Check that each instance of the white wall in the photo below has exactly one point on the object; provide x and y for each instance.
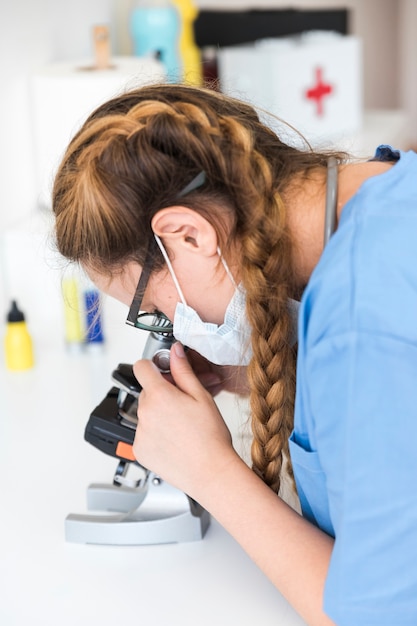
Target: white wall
(24, 42)
(32, 34)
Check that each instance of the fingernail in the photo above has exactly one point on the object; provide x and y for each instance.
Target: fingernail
(179, 350)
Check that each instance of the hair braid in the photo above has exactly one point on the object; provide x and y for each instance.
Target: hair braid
(267, 277)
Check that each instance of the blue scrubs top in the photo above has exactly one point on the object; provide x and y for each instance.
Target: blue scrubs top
(353, 447)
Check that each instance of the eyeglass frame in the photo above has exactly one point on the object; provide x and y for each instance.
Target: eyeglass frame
(161, 323)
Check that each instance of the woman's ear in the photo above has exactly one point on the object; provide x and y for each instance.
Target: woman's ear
(180, 226)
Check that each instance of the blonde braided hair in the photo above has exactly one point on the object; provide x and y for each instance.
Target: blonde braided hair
(133, 156)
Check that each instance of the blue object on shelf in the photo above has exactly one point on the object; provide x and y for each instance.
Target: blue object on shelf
(94, 329)
(155, 31)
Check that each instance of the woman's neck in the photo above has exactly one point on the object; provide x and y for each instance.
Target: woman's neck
(306, 200)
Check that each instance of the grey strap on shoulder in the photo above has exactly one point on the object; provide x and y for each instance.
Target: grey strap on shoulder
(331, 199)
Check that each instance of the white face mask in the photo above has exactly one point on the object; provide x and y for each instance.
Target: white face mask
(227, 344)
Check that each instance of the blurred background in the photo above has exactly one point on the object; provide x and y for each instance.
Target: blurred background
(43, 44)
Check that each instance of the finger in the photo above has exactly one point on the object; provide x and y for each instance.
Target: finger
(182, 372)
(146, 373)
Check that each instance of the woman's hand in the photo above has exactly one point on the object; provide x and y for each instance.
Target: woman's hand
(181, 435)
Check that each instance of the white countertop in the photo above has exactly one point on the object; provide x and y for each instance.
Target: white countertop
(46, 467)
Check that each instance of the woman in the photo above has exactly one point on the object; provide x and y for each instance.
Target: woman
(179, 201)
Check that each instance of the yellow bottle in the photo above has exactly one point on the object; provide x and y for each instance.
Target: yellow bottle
(74, 331)
(190, 52)
(18, 342)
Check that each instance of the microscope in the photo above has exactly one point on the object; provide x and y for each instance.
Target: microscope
(142, 509)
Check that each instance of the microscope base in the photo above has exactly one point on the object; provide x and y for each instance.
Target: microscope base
(155, 513)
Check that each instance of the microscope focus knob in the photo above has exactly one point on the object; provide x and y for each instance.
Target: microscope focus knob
(161, 360)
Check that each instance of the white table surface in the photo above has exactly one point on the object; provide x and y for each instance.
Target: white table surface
(46, 467)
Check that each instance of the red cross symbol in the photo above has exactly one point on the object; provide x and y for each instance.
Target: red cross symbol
(318, 92)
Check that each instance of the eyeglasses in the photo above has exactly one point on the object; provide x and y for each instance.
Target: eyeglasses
(157, 321)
